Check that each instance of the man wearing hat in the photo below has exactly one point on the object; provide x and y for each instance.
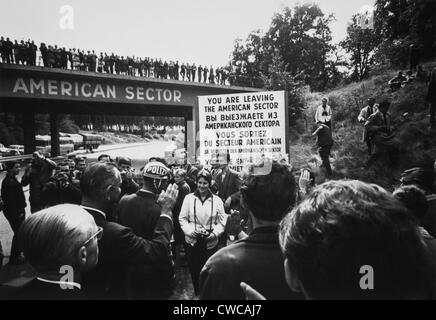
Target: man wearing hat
(140, 212)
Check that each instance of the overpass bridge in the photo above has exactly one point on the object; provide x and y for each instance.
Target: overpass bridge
(30, 90)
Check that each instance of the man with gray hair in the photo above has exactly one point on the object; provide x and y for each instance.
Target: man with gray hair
(120, 247)
(60, 243)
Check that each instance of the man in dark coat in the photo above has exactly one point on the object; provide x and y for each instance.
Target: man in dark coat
(324, 143)
(228, 183)
(14, 203)
(37, 174)
(257, 259)
(141, 213)
(120, 248)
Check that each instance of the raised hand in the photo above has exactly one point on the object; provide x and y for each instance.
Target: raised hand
(304, 181)
(167, 199)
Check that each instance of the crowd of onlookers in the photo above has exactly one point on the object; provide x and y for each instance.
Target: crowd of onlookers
(52, 56)
(267, 232)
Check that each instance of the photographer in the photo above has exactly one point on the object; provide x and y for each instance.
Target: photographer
(128, 185)
(202, 219)
(60, 188)
(37, 174)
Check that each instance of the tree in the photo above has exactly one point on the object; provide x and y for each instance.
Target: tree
(280, 79)
(401, 23)
(360, 44)
(302, 38)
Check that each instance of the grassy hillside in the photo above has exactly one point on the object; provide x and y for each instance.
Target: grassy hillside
(418, 144)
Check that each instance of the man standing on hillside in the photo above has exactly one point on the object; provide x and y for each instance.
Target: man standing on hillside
(323, 113)
(325, 143)
(364, 114)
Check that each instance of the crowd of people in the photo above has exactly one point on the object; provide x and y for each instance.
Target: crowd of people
(274, 235)
(52, 56)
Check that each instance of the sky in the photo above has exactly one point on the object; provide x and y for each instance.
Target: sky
(192, 31)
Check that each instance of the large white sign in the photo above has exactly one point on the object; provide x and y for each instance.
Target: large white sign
(247, 126)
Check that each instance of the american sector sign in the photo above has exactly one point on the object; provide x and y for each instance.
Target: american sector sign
(91, 90)
(247, 126)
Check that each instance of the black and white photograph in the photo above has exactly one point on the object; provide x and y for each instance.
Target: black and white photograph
(218, 155)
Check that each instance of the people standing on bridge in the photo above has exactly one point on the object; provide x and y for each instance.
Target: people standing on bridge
(14, 204)
(141, 212)
(205, 71)
(120, 248)
(37, 174)
(64, 58)
(202, 219)
(182, 71)
(6, 50)
(364, 114)
(176, 70)
(194, 71)
(323, 113)
(200, 72)
(32, 53)
(217, 75)
(211, 75)
(188, 71)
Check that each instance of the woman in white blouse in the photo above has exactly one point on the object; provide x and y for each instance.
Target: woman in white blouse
(202, 219)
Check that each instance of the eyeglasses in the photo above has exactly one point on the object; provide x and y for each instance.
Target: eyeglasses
(97, 235)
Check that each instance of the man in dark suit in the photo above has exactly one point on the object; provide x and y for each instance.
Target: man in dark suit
(228, 183)
(60, 243)
(257, 259)
(36, 175)
(140, 212)
(14, 203)
(120, 247)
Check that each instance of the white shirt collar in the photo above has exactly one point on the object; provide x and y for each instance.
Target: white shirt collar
(66, 283)
(94, 209)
